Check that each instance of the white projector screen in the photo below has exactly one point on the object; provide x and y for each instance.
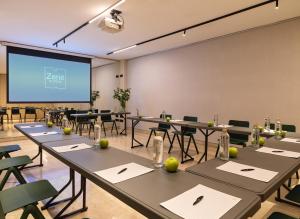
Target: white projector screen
(44, 77)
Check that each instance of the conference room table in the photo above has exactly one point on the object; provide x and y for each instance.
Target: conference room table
(285, 167)
(28, 128)
(143, 193)
(201, 126)
(93, 115)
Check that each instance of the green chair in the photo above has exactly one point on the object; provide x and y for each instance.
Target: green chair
(278, 215)
(7, 149)
(186, 131)
(26, 196)
(11, 165)
(239, 139)
(294, 195)
(161, 128)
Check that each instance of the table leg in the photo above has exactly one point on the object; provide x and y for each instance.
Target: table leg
(39, 154)
(206, 135)
(124, 131)
(133, 124)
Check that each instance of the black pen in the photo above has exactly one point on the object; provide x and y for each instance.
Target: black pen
(277, 151)
(248, 169)
(74, 147)
(198, 200)
(123, 170)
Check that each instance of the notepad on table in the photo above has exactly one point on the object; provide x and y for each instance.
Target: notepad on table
(30, 126)
(43, 133)
(213, 204)
(73, 147)
(279, 152)
(176, 120)
(123, 172)
(291, 140)
(248, 171)
(224, 126)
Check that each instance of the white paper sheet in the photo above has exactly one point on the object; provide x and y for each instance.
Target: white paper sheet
(43, 133)
(213, 205)
(270, 131)
(258, 173)
(279, 152)
(133, 170)
(176, 120)
(291, 140)
(224, 126)
(73, 147)
(30, 126)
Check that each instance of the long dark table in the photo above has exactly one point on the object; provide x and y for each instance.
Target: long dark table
(144, 193)
(42, 139)
(201, 126)
(92, 115)
(285, 167)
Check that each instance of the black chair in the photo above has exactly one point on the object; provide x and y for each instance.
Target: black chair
(162, 127)
(14, 112)
(3, 112)
(186, 131)
(239, 139)
(108, 119)
(285, 127)
(71, 119)
(84, 121)
(278, 215)
(30, 111)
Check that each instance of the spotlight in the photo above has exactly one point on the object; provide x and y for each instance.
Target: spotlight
(277, 3)
(184, 33)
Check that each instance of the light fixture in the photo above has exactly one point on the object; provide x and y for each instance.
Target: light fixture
(108, 9)
(122, 50)
(184, 33)
(277, 4)
(88, 22)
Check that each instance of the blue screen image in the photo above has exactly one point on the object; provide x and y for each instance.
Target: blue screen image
(40, 79)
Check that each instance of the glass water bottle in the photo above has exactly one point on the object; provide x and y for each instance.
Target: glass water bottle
(224, 145)
(158, 147)
(216, 120)
(278, 125)
(97, 134)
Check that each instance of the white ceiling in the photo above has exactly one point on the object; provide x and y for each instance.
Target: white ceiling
(41, 23)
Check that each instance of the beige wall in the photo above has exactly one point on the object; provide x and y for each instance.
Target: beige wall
(245, 76)
(105, 81)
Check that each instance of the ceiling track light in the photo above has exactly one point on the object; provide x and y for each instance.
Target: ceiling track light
(89, 22)
(277, 4)
(199, 24)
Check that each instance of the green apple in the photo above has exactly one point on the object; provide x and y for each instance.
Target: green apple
(50, 124)
(103, 143)
(261, 129)
(210, 124)
(168, 119)
(233, 152)
(67, 131)
(90, 112)
(171, 164)
(261, 141)
(283, 134)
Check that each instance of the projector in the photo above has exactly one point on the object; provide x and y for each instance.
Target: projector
(112, 24)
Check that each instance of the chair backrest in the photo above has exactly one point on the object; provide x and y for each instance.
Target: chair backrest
(3, 110)
(239, 123)
(188, 129)
(105, 117)
(15, 110)
(82, 119)
(285, 127)
(164, 126)
(30, 110)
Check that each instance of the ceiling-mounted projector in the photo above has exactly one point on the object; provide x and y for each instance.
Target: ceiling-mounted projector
(112, 24)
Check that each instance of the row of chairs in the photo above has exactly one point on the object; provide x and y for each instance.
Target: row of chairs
(81, 122)
(25, 195)
(16, 111)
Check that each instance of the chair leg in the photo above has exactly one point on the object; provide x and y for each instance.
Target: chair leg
(178, 141)
(171, 145)
(195, 144)
(116, 127)
(217, 151)
(168, 137)
(164, 135)
(149, 138)
(103, 128)
(11, 118)
(188, 147)
(297, 175)
(20, 119)
(290, 182)
(4, 180)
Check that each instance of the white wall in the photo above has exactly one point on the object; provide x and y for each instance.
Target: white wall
(105, 81)
(246, 76)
